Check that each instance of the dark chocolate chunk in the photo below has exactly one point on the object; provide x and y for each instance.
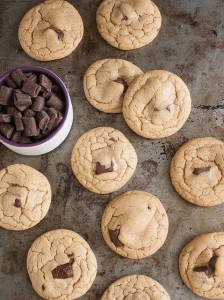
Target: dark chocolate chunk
(121, 81)
(33, 78)
(45, 82)
(58, 119)
(29, 74)
(22, 101)
(55, 102)
(53, 113)
(5, 94)
(31, 88)
(5, 118)
(198, 171)
(11, 83)
(25, 140)
(29, 113)
(204, 269)
(59, 32)
(16, 136)
(209, 268)
(38, 104)
(57, 91)
(43, 287)
(18, 76)
(102, 169)
(30, 126)
(42, 119)
(114, 237)
(11, 110)
(7, 130)
(63, 271)
(18, 121)
(17, 202)
(212, 263)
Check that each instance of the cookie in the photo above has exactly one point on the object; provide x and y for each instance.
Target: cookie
(135, 224)
(61, 265)
(106, 81)
(128, 24)
(103, 160)
(51, 30)
(157, 104)
(25, 197)
(197, 171)
(201, 265)
(136, 287)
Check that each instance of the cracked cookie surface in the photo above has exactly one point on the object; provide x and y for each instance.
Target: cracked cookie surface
(128, 24)
(25, 197)
(106, 81)
(157, 104)
(51, 30)
(103, 160)
(201, 265)
(197, 171)
(135, 287)
(135, 224)
(61, 265)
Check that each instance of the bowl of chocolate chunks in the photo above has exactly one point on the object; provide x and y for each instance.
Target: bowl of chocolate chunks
(36, 112)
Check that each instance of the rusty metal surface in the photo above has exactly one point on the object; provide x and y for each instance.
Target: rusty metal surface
(190, 44)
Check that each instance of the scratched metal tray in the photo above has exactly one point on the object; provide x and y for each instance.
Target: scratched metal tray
(191, 45)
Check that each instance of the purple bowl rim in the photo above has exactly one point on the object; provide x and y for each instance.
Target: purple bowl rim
(61, 84)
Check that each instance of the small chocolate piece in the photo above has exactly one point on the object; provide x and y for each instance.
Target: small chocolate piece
(43, 287)
(63, 271)
(5, 118)
(17, 202)
(208, 269)
(22, 101)
(16, 136)
(11, 110)
(102, 169)
(45, 82)
(33, 78)
(114, 237)
(18, 76)
(11, 83)
(29, 74)
(7, 130)
(53, 113)
(25, 140)
(212, 263)
(38, 104)
(55, 102)
(204, 269)
(29, 113)
(198, 171)
(42, 119)
(31, 88)
(18, 121)
(58, 119)
(59, 32)
(30, 126)
(5, 94)
(121, 81)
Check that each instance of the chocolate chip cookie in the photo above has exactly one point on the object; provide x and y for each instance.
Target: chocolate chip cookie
(103, 160)
(136, 287)
(157, 104)
(61, 265)
(197, 171)
(51, 30)
(201, 265)
(135, 224)
(25, 197)
(106, 81)
(128, 24)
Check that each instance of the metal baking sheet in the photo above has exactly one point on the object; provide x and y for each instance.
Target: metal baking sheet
(190, 44)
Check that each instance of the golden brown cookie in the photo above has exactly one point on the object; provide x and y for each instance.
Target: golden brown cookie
(61, 265)
(103, 160)
(135, 224)
(201, 265)
(197, 171)
(157, 104)
(128, 24)
(106, 81)
(135, 287)
(25, 197)
(51, 30)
